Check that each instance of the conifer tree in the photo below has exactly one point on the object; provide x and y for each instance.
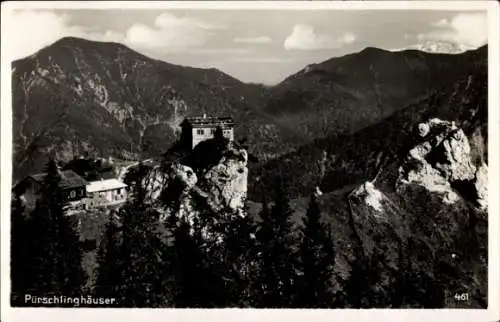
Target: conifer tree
(230, 259)
(316, 261)
(56, 253)
(365, 287)
(107, 281)
(190, 273)
(277, 262)
(240, 260)
(141, 255)
(356, 290)
(19, 253)
(210, 265)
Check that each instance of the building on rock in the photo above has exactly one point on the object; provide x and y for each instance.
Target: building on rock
(197, 129)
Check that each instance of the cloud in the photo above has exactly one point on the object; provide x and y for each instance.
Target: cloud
(304, 37)
(470, 29)
(36, 29)
(253, 40)
(170, 33)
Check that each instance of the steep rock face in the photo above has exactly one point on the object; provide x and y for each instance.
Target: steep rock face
(157, 179)
(434, 224)
(189, 193)
(226, 183)
(481, 185)
(443, 163)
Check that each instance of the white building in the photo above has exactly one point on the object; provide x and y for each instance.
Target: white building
(198, 129)
(106, 192)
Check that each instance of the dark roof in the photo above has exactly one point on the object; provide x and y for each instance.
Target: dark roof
(69, 179)
(209, 120)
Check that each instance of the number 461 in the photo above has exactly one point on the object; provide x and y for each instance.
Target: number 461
(462, 297)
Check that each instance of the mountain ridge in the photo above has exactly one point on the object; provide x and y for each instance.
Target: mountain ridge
(342, 95)
(341, 159)
(138, 102)
(130, 94)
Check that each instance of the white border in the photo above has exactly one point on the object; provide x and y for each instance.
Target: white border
(449, 5)
(83, 314)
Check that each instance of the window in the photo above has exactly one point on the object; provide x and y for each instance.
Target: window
(72, 194)
(200, 132)
(212, 131)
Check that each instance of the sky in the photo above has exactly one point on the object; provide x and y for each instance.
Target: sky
(252, 45)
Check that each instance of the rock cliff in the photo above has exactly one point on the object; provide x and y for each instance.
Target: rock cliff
(442, 163)
(215, 190)
(435, 218)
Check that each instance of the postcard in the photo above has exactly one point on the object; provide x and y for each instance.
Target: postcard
(250, 160)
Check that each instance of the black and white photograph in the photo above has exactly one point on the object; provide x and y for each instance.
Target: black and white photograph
(274, 158)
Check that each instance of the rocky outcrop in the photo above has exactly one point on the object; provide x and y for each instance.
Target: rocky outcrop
(159, 178)
(433, 225)
(177, 189)
(375, 217)
(442, 163)
(226, 182)
(368, 194)
(481, 185)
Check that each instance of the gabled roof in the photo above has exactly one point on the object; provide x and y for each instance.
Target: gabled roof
(209, 121)
(104, 185)
(69, 179)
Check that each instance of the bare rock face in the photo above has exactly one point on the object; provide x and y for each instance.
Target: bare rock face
(439, 171)
(157, 179)
(371, 196)
(153, 183)
(226, 183)
(481, 185)
(177, 189)
(375, 217)
(436, 214)
(441, 162)
(185, 175)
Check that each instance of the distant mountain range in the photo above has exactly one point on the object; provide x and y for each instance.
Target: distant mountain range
(78, 96)
(441, 47)
(343, 95)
